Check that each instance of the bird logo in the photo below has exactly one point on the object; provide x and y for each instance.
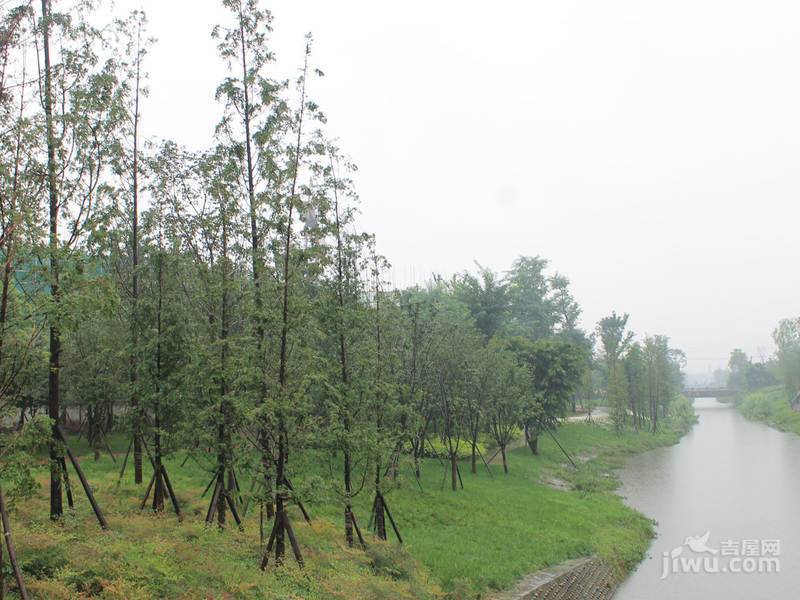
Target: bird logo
(699, 543)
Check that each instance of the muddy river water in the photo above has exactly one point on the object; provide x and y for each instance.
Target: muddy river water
(727, 503)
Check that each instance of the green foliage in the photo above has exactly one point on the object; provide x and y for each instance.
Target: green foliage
(46, 563)
(618, 395)
(744, 375)
(770, 406)
(487, 299)
(682, 413)
(436, 447)
(787, 340)
(17, 458)
(614, 340)
(554, 368)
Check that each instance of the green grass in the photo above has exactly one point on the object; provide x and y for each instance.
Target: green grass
(770, 406)
(458, 544)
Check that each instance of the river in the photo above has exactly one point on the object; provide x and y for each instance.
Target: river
(737, 480)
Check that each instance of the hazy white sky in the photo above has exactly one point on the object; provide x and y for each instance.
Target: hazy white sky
(649, 149)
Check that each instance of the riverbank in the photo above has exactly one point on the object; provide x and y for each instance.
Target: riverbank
(770, 406)
(459, 545)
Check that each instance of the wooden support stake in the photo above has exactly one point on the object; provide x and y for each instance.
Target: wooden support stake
(124, 463)
(434, 452)
(165, 477)
(419, 483)
(212, 508)
(236, 486)
(488, 470)
(172, 495)
(12, 553)
(496, 452)
(208, 487)
(246, 503)
(84, 482)
(108, 446)
(232, 506)
(572, 462)
(67, 485)
(358, 531)
(391, 520)
(147, 492)
(265, 561)
(292, 540)
(302, 508)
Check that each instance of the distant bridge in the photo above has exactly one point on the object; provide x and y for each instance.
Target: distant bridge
(708, 392)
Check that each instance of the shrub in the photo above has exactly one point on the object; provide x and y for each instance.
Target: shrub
(44, 563)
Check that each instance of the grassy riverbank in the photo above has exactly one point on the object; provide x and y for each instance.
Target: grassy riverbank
(770, 406)
(458, 544)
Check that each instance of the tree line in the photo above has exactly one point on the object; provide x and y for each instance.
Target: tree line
(744, 374)
(225, 303)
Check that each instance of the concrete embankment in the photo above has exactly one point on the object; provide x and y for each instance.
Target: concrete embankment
(579, 579)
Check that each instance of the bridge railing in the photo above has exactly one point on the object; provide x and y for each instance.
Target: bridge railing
(707, 392)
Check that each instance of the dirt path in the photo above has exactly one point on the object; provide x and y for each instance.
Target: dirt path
(598, 414)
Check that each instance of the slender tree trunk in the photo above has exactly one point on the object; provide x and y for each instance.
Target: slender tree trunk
(134, 366)
(417, 451)
(345, 372)
(505, 461)
(474, 462)
(454, 470)
(532, 439)
(280, 497)
(280, 504)
(257, 267)
(158, 492)
(54, 397)
(223, 442)
(22, 412)
(348, 491)
(380, 513)
(93, 433)
(656, 400)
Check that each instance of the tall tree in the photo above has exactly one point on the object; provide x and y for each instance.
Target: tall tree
(787, 342)
(532, 310)
(566, 308)
(614, 342)
(136, 48)
(508, 383)
(88, 115)
(635, 375)
(253, 123)
(286, 213)
(348, 393)
(554, 366)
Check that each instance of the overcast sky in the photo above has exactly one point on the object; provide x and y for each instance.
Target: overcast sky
(649, 149)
